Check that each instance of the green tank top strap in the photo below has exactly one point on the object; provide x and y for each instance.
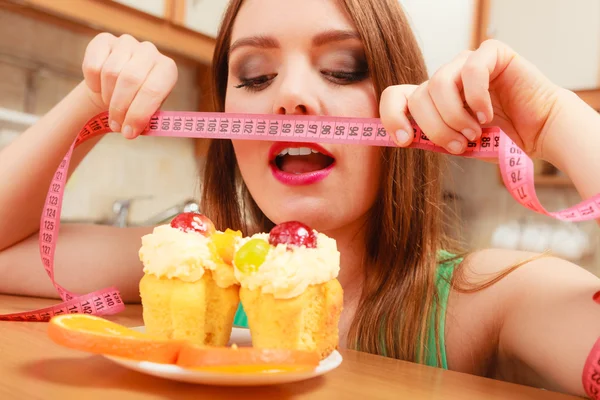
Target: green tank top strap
(445, 271)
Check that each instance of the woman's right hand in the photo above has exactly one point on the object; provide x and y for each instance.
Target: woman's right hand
(129, 79)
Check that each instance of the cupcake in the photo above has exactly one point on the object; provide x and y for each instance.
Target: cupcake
(189, 290)
(289, 288)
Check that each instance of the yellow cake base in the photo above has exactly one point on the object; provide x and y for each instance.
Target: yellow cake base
(198, 311)
(306, 322)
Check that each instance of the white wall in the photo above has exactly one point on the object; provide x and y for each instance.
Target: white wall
(205, 15)
(443, 28)
(561, 37)
(152, 7)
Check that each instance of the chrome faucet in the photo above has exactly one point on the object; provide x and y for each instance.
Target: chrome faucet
(171, 212)
(121, 210)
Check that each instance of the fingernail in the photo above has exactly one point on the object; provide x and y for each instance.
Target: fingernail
(114, 126)
(481, 117)
(469, 134)
(455, 147)
(402, 136)
(127, 131)
(597, 297)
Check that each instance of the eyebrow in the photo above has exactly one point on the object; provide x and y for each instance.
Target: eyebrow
(268, 42)
(334, 36)
(263, 42)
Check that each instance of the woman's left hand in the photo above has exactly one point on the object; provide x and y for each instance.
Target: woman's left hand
(491, 85)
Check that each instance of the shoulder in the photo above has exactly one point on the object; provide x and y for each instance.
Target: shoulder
(488, 286)
(516, 271)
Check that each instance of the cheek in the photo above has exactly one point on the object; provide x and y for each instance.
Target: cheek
(353, 101)
(242, 101)
(362, 178)
(250, 156)
(252, 160)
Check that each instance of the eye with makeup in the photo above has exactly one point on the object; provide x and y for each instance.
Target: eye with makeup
(339, 67)
(344, 67)
(253, 71)
(256, 83)
(345, 77)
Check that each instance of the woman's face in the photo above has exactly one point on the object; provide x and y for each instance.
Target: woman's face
(303, 57)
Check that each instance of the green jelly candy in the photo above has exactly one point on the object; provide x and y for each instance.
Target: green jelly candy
(251, 255)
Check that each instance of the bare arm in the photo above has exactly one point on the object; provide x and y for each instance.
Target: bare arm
(130, 80)
(125, 77)
(548, 334)
(88, 258)
(536, 326)
(31, 160)
(572, 142)
(504, 90)
(553, 322)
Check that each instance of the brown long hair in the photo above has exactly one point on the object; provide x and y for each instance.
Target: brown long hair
(405, 224)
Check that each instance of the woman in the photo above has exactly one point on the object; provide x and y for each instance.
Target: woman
(405, 296)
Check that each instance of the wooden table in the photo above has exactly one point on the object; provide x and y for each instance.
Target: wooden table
(33, 367)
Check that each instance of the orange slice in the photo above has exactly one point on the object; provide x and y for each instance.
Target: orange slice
(246, 360)
(100, 336)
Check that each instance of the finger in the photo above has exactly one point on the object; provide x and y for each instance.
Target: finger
(120, 55)
(94, 58)
(147, 101)
(426, 115)
(445, 90)
(480, 67)
(129, 82)
(393, 111)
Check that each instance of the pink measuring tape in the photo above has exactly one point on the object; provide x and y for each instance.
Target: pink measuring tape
(515, 165)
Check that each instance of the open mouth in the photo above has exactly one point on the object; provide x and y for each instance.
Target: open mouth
(300, 160)
(300, 163)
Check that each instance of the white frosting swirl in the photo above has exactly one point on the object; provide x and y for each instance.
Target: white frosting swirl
(287, 273)
(169, 252)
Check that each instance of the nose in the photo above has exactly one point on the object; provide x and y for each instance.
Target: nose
(296, 93)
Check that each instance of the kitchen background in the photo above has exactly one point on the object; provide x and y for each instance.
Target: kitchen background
(42, 44)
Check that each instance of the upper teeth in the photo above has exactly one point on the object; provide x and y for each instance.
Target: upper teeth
(297, 151)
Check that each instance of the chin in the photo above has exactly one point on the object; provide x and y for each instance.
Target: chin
(314, 212)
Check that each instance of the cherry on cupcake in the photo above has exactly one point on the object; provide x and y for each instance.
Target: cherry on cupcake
(293, 233)
(192, 221)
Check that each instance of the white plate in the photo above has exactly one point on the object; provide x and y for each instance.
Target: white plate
(241, 337)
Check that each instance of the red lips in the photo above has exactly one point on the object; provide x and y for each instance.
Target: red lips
(300, 170)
